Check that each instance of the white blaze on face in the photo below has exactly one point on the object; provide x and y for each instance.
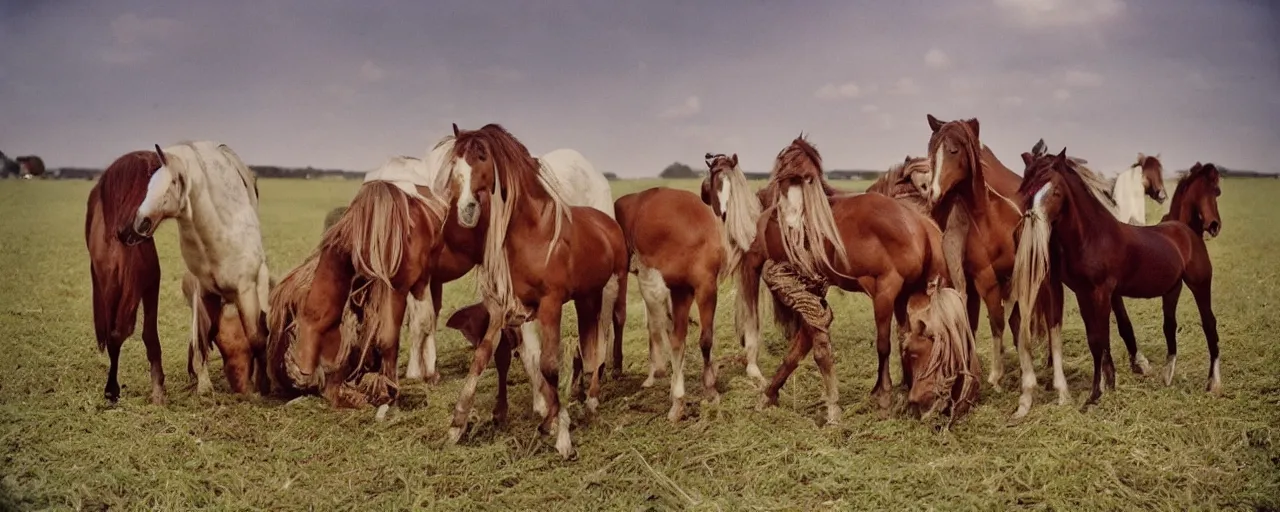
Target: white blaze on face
(935, 185)
(793, 207)
(157, 193)
(723, 195)
(468, 207)
(1037, 202)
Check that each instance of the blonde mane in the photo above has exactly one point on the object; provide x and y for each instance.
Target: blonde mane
(376, 228)
(954, 348)
(738, 230)
(805, 247)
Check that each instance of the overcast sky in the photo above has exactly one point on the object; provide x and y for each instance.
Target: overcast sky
(635, 85)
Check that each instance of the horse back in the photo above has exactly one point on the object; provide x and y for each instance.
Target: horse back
(676, 232)
(882, 236)
(999, 177)
(598, 249)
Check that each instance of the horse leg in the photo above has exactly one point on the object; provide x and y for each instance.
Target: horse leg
(989, 288)
(619, 323)
(658, 317)
(884, 299)
(1095, 307)
(388, 341)
(530, 344)
(706, 297)
(1137, 362)
(589, 351)
(1209, 322)
(747, 313)
(681, 301)
(502, 359)
(1059, 378)
(900, 314)
(1171, 332)
(824, 356)
(479, 361)
(151, 338)
(1027, 365)
(211, 309)
(801, 342)
(432, 376)
(422, 319)
(254, 321)
(557, 417)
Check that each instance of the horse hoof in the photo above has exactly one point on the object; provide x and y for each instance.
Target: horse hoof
(766, 402)
(455, 435)
(995, 384)
(432, 380)
(616, 374)
(1214, 387)
(1020, 413)
(1064, 398)
(159, 398)
(677, 411)
(593, 404)
(204, 386)
(833, 415)
(1140, 365)
(381, 415)
(649, 382)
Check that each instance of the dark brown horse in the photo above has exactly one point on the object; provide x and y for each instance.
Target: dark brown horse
(1195, 200)
(678, 253)
(1069, 236)
(865, 243)
(539, 253)
(378, 254)
(123, 274)
(964, 178)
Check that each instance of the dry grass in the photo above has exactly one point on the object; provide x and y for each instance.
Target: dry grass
(1145, 446)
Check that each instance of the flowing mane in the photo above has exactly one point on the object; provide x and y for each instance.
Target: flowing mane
(954, 353)
(741, 212)
(123, 186)
(516, 174)
(805, 247)
(375, 228)
(897, 183)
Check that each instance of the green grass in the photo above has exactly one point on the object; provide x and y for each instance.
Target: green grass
(1145, 446)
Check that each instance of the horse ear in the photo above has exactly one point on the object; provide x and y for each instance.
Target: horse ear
(934, 123)
(455, 130)
(1195, 168)
(708, 157)
(1061, 159)
(973, 125)
(1157, 157)
(1026, 159)
(159, 153)
(734, 159)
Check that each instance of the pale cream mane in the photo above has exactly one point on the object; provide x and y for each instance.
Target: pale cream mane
(1098, 186)
(376, 228)
(741, 214)
(805, 246)
(946, 322)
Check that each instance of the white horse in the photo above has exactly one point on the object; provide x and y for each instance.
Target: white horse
(581, 182)
(1144, 177)
(214, 197)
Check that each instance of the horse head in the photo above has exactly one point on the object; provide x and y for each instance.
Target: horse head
(1195, 200)
(488, 162)
(167, 197)
(955, 154)
(1044, 185)
(716, 188)
(940, 350)
(1152, 176)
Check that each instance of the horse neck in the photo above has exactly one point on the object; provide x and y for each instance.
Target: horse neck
(1185, 211)
(1077, 232)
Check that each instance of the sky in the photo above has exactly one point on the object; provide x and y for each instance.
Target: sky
(636, 85)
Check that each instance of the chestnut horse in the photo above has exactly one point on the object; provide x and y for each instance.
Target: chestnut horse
(942, 354)
(1146, 176)
(124, 267)
(378, 254)
(678, 253)
(865, 243)
(540, 252)
(1195, 200)
(967, 180)
(1069, 237)
(731, 200)
(237, 354)
(908, 182)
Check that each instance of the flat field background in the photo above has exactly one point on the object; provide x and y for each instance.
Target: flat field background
(1146, 446)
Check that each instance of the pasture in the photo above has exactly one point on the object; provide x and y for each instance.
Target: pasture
(1144, 446)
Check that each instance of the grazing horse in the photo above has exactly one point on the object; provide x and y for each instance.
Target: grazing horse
(725, 189)
(962, 186)
(865, 243)
(678, 253)
(1069, 238)
(237, 354)
(942, 354)
(540, 252)
(124, 267)
(1146, 176)
(214, 197)
(582, 185)
(378, 254)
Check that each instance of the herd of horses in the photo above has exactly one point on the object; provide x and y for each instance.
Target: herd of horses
(933, 239)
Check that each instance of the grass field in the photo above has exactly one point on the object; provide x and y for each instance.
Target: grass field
(1145, 446)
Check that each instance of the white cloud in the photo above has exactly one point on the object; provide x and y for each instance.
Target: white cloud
(372, 73)
(937, 59)
(838, 92)
(1060, 13)
(1062, 95)
(689, 108)
(1081, 79)
(905, 86)
(135, 39)
(869, 108)
(500, 74)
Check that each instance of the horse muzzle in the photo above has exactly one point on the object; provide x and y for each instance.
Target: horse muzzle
(140, 231)
(469, 214)
(1213, 228)
(1160, 198)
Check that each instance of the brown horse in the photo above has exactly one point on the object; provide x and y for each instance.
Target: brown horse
(371, 260)
(539, 253)
(964, 178)
(1101, 260)
(125, 271)
(1195, 200)
(678, 253)
(907, 182)
(942, 354)
(232, 343)
(865, 243)
(725, 189)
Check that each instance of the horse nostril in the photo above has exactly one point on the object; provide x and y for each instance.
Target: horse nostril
(144, 226)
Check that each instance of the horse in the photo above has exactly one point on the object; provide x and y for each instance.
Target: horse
(942, 355)
(1195, 200)
(1146, 176)
(124, 268)
(582, 186)
(908, 182)
(1069, 238)
(679, 254)
(237, 354)
(378, 254)
(962, 183)
(213, 196)
(731, 200)
(865, 243)
(31, 166)
(540, 252)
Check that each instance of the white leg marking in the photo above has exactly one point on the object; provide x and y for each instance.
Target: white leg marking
(749, 324)
(1169, 367)
(1215, 379)
(416, 336)
(564, 444)
(657, 302)
(1028, 379)
(531, 356)
(1059, 378)
(1140, 362)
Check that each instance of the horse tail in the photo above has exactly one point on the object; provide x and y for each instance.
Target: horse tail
(1030, 268)
(375, 230)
